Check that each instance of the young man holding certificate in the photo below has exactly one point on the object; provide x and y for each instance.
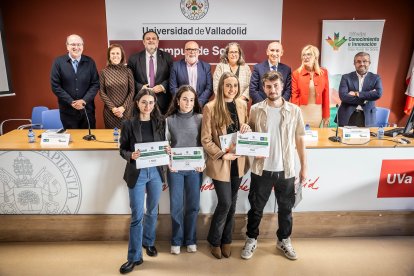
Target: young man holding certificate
(284, 123)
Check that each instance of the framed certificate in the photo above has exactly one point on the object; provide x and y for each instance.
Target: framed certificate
(253, 144)
(152, 154)
(186, 159)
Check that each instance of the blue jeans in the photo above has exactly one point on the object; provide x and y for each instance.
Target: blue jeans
(149, 180)
(184, 206)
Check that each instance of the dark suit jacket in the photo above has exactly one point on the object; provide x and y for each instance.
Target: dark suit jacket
(131, 134)
(69, 86)
(137, 63)
(256, 91)
(371, 91)
(179, 76)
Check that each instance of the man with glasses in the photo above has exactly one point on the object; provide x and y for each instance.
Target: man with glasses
(151, 69)
(75, 82)
(192, 71)
(274, 52)
(358, 91)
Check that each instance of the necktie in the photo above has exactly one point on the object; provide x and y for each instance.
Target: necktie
(75, 65)
(151, 72)
(274, 68)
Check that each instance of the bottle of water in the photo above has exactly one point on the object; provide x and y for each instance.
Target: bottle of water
(31, 136)
(307, 127)
(380, 132)
(116, 135)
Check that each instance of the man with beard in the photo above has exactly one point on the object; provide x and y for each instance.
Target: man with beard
(75, 82)
(194, 72)
(358, 92)
(284, 123)
(151, 69)
(274, 52)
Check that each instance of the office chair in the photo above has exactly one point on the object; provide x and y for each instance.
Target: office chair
(382, 117)
(333, 111)
(35, 122)
(51, 119)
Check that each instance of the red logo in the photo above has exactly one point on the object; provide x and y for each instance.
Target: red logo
(396, 179)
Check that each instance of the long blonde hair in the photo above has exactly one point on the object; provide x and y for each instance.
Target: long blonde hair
(315, 52)
(221, 114)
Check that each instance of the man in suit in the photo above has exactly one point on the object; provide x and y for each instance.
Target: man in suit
(151, 68)
(194, 72)
(75, 82)
(274, 53)
(358, 92)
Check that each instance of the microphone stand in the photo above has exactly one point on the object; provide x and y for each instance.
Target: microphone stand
(90, 136)
(336, 138)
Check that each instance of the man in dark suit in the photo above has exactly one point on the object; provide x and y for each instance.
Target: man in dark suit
(151, 68)
(75, 82)
(274, 53)
(358, 92)
(194, 72)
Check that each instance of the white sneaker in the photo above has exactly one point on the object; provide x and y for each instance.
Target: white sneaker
(286, 246)
(175, 250)
(248, 248)
(192, 248)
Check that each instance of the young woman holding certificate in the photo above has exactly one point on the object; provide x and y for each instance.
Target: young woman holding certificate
(145, 126)
(183, 130)
(224, 115)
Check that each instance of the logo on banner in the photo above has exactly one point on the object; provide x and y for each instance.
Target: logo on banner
(396, 179)
(336, 42)
(38, 182)
(194, 9)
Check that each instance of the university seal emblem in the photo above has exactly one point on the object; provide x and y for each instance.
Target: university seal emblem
(194, 9)
(38, 182)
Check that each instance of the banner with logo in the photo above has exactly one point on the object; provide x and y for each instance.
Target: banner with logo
(213, 24)
(91, 182)
(341, 40)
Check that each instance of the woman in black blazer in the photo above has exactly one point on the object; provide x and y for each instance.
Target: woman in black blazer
(145, 126)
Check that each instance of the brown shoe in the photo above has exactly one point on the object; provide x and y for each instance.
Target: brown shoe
(226, 250)
(216, 251)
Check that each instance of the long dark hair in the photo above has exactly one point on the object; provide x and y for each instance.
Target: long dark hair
(221, 114)
(174, 107)
(155, 113)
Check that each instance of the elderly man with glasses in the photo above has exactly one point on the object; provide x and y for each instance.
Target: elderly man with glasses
(192, 71)
(75, 82)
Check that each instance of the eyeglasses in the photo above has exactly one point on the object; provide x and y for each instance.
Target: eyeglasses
(192, 50)
(307, 55)
(75, 44)
(233, 52)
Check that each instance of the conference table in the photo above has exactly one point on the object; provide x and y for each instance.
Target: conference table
(86, 177)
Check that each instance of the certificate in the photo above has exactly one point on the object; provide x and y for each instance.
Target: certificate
(252, 144)
(187, 159)
(228, 142)
(152, 154)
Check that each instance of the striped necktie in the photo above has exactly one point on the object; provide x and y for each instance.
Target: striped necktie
(75, 65)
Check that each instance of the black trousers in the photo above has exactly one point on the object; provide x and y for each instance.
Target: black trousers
(260, 190)
(222, 223)
(357, 119)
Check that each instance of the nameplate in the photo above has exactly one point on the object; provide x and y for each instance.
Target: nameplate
(55, 139)
(311, 135)
(354, 135)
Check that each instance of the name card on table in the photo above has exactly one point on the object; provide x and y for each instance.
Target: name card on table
(55, 139)
(311, 135)
(354, 135)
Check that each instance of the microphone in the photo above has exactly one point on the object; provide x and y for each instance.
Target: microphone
(90, 136)
(336, 138)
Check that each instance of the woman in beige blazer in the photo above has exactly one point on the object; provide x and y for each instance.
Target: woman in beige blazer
(224, 115)
(232, 60)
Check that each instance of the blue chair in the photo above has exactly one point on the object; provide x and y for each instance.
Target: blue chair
(34, 122)
(51, 119)
(382, 117)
